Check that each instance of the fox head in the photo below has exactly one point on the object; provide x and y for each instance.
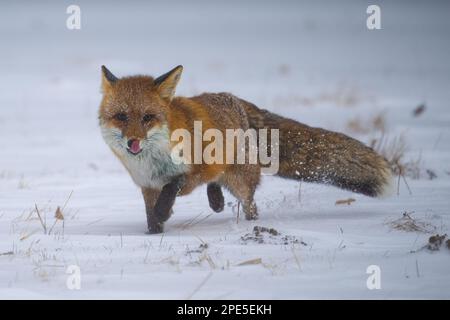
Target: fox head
(133, 111)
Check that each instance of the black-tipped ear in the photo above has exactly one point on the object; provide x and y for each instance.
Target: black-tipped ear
(167, 83)
(107, 75)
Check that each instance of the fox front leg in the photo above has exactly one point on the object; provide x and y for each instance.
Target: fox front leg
(150, 198)
(162, 208)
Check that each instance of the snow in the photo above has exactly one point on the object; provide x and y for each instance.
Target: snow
(314, 62)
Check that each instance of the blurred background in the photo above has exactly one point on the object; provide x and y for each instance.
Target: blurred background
(283, 55)
(314, 61)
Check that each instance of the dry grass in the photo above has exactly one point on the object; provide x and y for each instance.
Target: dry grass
(409, 224)
(193, 222)
(345, 201)
(394, 150)
(374, 124)
(58, 216)
(250, 262)
(342, 96)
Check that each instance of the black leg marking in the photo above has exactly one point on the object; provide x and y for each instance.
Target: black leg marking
(215, 197)
(165, 202)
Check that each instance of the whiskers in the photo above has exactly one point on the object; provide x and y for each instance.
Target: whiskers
(114, 138)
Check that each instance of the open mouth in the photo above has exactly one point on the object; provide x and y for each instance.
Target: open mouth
(134, 146)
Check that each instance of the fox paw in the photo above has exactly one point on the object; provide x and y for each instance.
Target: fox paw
(156, 228)
(251, 213)
(251, 217)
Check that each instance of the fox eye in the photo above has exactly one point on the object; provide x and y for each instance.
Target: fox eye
(147, 117)
(121, 116)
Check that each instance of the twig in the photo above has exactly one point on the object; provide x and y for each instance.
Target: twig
(201, 220)
(146, 254)
(67, 200)
(53, 225)
(201, 240)
(437, 140)
(407, 185)
(250, 262)
(237, 216)
(95, 221)
(26, 236)
(200, 285)
(186, 224)
(344, 201)
(210, 261)
(160, 241)
(40, 219)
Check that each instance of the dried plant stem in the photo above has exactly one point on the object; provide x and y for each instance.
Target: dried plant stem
(200, 286)
(40, 219)
(407, 185)
(67, 200)
(238, 210)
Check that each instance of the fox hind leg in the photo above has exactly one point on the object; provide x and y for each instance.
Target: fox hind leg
(242, 184)
(215, 196)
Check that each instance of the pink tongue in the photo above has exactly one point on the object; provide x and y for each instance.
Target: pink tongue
(135, 147)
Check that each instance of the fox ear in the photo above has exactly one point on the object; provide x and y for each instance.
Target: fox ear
(108, 79)
(167, 83)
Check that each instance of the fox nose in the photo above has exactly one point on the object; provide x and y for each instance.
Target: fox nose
(134, 146)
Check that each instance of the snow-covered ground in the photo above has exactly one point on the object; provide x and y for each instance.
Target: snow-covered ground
(313, 61)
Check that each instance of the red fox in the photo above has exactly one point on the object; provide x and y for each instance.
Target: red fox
(138, 114)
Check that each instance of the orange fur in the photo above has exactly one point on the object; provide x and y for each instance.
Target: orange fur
(133, 108)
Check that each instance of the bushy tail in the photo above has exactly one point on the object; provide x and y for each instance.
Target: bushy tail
(317, 155)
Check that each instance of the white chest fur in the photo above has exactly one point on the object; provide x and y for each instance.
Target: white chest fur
(153, 167)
